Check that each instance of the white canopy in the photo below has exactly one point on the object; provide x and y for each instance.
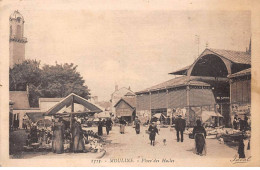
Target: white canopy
(158, 115)
(102, 115)
(206, 115)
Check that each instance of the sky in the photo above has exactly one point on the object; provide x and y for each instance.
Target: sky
(135, 48)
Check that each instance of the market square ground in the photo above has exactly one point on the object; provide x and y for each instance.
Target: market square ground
(133, 146)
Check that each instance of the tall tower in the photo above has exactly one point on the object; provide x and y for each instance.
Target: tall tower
(16, 40)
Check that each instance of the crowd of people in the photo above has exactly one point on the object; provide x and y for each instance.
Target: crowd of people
(241, 124)
(108, 123)
(77, 135)
(199, 134)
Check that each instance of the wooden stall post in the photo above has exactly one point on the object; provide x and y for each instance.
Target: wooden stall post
(72, 110)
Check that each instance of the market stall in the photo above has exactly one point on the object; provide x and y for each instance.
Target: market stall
(53, 117)
(211, 118)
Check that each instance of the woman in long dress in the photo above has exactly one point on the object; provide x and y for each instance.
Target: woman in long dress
(199, 134)
(58, 137)
(137, 125)
(77, 137)
(122, 126)
(100, 127)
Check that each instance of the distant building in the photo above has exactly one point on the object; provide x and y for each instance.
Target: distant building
(118, 94)
(126, 108)
(94, 99)
(19, 104)
(17, 40)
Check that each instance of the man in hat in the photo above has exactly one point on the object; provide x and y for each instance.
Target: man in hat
(180, 125)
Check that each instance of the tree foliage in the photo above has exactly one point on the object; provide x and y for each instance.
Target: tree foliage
(27, 73)
(49, 81)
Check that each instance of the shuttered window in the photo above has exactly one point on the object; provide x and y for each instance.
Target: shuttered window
(245, 91)
(239, 91)
(249, 90)
(200, 97)
(177, 98)
(143, 102)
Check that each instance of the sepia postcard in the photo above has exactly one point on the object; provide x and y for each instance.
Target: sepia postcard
(129, 83)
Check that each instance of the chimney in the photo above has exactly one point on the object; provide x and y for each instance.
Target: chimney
(129, 88)
(116, 87)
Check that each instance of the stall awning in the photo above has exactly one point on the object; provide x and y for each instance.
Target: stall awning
(35, 116)
(158, 115)
(103, 115)
(73, 98)
(208, 114)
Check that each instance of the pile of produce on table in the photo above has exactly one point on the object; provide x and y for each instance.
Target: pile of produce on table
(93, 142)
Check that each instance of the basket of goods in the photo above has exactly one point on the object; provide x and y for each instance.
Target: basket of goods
(191, 136)
(147, 132)
(28, 148)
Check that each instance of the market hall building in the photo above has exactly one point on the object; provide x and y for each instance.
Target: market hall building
(203, 85)
(240, 93)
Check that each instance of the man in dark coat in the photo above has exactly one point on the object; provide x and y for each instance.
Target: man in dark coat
(108, 125)
(235, 122)
(152, 130)
(180, 125)
(241, 147)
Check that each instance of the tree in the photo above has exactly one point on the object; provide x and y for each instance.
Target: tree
(50, 81)
(26, 73)
(62, 79)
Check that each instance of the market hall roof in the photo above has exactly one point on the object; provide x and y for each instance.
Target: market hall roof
(238, 57)
(73, 98)
(175, 82)
(181, 71)
(19, 99)
(240, 73)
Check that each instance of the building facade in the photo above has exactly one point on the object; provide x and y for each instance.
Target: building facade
(203, 85)
(118, 94)
(176, 96)
(126, 108)
(240, 93)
